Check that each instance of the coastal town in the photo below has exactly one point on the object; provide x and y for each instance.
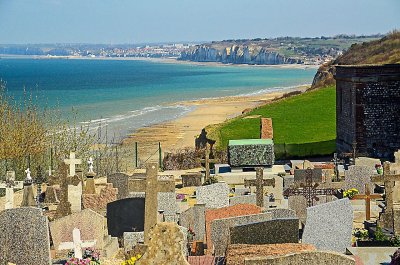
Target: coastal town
(243, 151)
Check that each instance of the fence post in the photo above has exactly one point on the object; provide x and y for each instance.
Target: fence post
(136, 154)
(159, 155)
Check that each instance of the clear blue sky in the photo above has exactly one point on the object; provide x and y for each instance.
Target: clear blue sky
(138, 21)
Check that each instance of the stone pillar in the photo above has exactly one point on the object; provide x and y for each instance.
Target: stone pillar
(28, 198)
(90, 186)
(151, 203)
(9, 198)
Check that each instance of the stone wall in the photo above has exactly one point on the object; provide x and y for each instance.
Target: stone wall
(368, 109)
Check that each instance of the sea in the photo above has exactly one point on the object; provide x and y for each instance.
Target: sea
(125, 95)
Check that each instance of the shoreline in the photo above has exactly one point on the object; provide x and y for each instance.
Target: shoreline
(179, 133)
(169, 60)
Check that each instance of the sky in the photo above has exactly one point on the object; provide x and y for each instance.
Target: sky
(150, 21)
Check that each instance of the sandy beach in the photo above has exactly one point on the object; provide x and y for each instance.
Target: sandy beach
(180, 133)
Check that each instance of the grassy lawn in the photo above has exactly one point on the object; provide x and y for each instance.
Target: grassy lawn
(306, 118)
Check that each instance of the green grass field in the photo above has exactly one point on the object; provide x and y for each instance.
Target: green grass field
(305, 124)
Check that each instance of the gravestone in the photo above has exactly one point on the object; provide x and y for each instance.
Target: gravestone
(195, 218)
(131, 239)
(274, 231)
(98, 202)
(281, 213)
(214, 195)
(191, 179)
(90, 224)
(357, 177)
(207, 161)
(226, 212)
(309, 188)
(24, 237)
(75, 196)
(300, 175)
(329, 226)
(298, 204)
(90, 187)
(246, 199)
(126, 215)
(166, 202)
(220, 233)
(121, 182)
(259, 182)
(166, 244)
(77, 244)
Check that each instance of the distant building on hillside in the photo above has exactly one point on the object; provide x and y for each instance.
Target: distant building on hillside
(368, 109)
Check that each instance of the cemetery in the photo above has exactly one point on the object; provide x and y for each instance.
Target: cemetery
(249, 209)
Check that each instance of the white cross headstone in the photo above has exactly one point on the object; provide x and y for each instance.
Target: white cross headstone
(28, 174)
(77, 244)
(9, 186)
(72, 162)
(90, 163)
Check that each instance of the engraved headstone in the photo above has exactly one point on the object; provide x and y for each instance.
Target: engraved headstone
(357, 176)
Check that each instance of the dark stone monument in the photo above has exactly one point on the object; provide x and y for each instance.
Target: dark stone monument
(126, 215)
(368, 109)
(274, 231)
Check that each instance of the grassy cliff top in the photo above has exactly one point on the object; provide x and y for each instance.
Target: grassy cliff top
(382, 51)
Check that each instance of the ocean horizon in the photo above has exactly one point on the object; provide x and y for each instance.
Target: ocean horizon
(125, 95)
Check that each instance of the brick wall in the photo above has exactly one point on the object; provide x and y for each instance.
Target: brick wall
(368, 109)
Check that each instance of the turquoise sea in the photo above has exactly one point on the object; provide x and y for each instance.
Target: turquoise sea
(125, 95)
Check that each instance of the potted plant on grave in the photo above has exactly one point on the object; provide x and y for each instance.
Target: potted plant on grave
(350, 193)
(379, 238)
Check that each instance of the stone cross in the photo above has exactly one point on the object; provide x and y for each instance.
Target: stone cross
(309, 190)
(72, 162)
(90, 163)
(77, 244)
(259, 182)
(207, 161)
(64, 207)
(389, 180)
(367, 197)
(9, 185)
(153, 187)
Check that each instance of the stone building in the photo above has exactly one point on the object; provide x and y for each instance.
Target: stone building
(368, 109)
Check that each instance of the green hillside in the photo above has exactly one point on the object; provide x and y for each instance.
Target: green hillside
(303, 124)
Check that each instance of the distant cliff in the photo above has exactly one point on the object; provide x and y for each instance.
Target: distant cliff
(236, 54)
